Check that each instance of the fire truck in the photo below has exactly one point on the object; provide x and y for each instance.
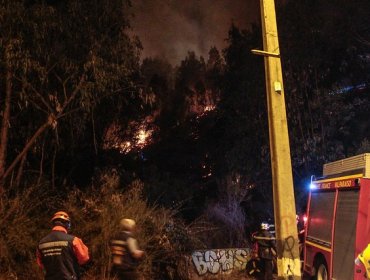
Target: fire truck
(338, 220)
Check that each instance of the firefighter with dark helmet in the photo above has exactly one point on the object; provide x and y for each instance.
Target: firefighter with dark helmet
(60, 254)
(266, 250)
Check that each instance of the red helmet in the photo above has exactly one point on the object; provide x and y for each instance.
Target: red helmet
(61, 215)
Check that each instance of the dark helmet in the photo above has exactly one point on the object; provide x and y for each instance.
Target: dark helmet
(61, 218)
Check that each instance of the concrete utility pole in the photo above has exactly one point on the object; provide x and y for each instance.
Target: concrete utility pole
(288, 261)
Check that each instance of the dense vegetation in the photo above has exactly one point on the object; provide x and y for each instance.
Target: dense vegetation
(88, 127)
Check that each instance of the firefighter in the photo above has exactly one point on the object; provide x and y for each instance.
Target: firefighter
(60, 254)
(126, 254)
(364, 258)
(266, 250)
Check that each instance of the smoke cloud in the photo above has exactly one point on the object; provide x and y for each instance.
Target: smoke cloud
(171, 28)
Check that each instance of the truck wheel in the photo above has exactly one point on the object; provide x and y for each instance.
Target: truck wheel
(321, 272)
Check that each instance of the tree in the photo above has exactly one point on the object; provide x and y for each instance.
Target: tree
(61, 65)
(324, 66)
(242, 125)
(158, 78)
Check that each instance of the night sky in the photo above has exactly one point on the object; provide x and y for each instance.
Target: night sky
(170, 28)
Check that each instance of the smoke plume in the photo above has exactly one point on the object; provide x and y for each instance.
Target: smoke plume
(171, 28)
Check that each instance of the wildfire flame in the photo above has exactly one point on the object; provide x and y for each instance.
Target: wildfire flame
(140, 138)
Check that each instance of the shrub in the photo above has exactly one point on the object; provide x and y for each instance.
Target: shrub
(98, 211)
(95, 214)
(228, 215)
(20, 214)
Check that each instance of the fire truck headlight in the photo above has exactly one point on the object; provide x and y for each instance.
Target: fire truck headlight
(305, 219)
(312, 185)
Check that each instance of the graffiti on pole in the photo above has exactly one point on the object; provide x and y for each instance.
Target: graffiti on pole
(220, 260)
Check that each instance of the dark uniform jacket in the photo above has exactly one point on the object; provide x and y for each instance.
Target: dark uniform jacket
(266, 244)
(121, 255)
(60, 254)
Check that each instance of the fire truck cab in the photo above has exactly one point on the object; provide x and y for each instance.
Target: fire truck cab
(338, 220)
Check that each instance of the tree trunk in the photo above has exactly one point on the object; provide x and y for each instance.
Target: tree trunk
(41, 169)
(51, 122)
(20, 171)
(29, 144)
(53, 169)
(6, 115)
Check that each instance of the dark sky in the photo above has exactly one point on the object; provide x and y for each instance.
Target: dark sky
(170, 28)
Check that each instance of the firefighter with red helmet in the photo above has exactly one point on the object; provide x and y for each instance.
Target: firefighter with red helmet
(60, 254)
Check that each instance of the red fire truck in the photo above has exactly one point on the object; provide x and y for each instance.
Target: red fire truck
(338, 220)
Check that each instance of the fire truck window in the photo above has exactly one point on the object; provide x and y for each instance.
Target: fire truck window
(321, 216)
(345, 234)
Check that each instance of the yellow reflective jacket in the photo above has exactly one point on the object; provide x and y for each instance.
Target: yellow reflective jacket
(364, 257)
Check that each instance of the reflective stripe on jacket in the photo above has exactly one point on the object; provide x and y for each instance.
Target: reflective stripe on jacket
(121, 256)
(60, 254)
